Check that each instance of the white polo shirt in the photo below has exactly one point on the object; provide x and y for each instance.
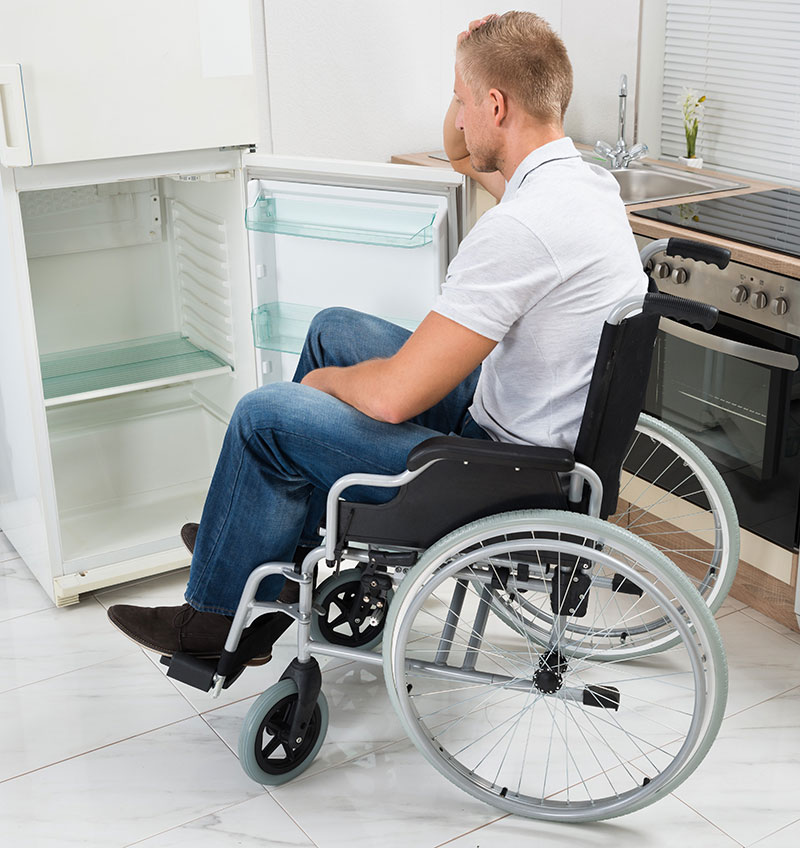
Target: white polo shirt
(539, 274)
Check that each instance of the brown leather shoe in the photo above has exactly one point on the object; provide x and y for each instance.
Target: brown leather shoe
(168, 630)
(189, 536)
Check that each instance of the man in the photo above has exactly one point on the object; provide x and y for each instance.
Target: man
(526, 297)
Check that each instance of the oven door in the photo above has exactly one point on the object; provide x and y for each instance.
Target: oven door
(735, 392)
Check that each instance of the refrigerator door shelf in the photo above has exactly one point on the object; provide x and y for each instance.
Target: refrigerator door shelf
(282, 327)
(338, 219)
(106, 370)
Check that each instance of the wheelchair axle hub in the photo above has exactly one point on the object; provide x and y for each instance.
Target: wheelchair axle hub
(546, 681)
(549, 677)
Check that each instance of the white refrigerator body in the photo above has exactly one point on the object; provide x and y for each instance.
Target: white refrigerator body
(95, 80)
(95, 486)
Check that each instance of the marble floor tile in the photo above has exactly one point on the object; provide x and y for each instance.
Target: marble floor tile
(748, 783)
(256, 823)
(54, 641)
(361, 719)
(391, 797)
(786, 837)
(20, 592)
(793, 635)
(67, 715)
(125, 792)
(728, 606)
(665, 824)
(6, 548)
(761, 662)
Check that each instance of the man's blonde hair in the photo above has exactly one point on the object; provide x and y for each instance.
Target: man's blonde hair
(520, 55)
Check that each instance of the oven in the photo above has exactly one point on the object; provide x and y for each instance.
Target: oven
(735, 390)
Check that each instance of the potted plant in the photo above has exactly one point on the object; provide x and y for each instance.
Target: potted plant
(692, 106)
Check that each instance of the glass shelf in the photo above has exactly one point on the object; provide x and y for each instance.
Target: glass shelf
(105, 370)
(283, 326)
(337, 220)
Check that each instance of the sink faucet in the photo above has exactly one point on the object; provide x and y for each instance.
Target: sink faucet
(620, 156)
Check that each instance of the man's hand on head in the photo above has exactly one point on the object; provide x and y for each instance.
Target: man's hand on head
(473, 25)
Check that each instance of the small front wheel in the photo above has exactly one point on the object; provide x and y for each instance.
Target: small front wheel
(263, 751)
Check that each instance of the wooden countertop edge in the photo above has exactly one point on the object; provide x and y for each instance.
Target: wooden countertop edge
(746, 254)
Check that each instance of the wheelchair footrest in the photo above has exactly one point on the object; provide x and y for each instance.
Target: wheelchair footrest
(196, 672)
(191, 670)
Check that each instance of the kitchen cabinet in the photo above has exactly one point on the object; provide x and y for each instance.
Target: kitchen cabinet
(135, 287)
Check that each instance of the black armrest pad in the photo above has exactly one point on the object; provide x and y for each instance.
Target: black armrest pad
(457, 448)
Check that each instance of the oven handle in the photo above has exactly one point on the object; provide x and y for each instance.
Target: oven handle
(750, 353)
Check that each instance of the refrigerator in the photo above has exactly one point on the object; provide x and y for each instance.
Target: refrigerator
(155, 266)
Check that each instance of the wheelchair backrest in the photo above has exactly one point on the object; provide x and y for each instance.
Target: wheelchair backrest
(615, 399)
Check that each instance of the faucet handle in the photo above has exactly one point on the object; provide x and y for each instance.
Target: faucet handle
(638, 151)
(602, 148)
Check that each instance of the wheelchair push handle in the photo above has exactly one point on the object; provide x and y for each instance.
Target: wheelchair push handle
(681, 309)
(689, 249)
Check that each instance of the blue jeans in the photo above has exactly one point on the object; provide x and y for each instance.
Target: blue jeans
(285, 446)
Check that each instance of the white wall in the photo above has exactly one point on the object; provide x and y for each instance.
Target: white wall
(363, 79)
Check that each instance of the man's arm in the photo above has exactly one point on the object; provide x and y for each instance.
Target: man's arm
(459, 157)
(434, 360)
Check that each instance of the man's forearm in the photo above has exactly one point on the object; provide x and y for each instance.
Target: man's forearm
(365, 386)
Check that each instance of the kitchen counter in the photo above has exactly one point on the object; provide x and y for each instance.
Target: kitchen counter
(747, 254)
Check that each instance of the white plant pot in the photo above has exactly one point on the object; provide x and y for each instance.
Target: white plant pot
(696, 162)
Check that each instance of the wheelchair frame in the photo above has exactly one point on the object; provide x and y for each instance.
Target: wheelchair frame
(682, 610)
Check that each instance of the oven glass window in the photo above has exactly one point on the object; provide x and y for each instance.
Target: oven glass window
(720, 402)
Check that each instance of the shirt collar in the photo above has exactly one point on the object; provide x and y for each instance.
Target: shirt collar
(561, 148)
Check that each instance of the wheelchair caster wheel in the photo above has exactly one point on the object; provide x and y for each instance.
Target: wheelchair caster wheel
(337, 619)
(264, 753)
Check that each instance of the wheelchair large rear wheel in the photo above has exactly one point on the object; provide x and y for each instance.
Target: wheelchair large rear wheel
(672, 496)
(551, 731)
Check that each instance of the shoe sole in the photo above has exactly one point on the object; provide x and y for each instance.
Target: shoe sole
(256, 661)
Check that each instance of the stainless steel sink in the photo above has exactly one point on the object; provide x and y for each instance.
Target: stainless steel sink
(643, 182)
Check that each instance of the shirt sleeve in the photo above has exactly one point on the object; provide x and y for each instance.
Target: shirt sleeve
(500, 272)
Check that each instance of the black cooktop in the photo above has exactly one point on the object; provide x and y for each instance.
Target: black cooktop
(768, 219)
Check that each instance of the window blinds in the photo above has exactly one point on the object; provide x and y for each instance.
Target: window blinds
(745, 57)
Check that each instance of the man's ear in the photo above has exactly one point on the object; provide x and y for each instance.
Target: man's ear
(499, 106)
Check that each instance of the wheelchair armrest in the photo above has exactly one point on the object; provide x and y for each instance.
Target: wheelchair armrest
(457, 448)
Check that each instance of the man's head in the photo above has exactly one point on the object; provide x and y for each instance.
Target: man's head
(511, 64)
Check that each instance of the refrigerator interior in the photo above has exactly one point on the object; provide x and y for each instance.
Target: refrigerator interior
(142, 310)
(380, 251)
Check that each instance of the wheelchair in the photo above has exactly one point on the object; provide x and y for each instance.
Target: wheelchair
(524, 634)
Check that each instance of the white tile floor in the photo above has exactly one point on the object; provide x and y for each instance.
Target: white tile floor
(99, 748)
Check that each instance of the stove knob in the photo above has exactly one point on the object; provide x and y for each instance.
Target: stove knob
(680, 276)
(759, 300)
(739, 294)
(780, 306)
(661, 270)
